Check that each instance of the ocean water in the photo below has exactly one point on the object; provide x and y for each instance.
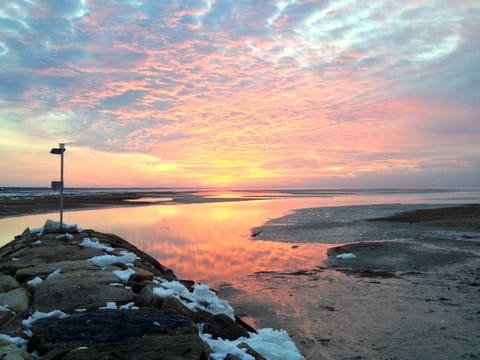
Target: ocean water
(212, 242)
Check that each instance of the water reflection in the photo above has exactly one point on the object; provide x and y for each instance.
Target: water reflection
(207, 242)
(210, 242)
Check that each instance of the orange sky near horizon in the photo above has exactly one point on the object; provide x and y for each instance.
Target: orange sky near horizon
(240, 94)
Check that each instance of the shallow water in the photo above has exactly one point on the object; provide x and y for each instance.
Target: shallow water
(211, 242)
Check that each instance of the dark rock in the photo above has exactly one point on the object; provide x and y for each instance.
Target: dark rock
(221, 326)
(173, 303)
(90, 289)
(163, 346)
(119, 332)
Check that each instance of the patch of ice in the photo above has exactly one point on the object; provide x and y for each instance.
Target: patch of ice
(111, 305)
(4, 308)
(14, 258)
(103, 261)
(128, 306)
(38, 242)
(65, 236)
(53, 274)
(20, 342)
(37, 315)
(215, 305)
(346, 256)
(94, 243)
(80, 310)
(124, 275)
(270, 343)
(202, 297)
(116, 284)
(37, 231)
(55, 225)
(34, 282)
(163, 293)
(52, 225)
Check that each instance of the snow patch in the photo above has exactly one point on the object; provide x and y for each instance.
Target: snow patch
(20, 342)
(51, 225)
(34, 282)
(103, 261)
(112, 305)
(53, 274)
(202, 297)
(124, 275)
(270, 343)
(65, 236)
(37, 315)
(346, 256)
(94, 243)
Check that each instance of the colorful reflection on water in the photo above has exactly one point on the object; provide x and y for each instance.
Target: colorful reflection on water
(209, 242)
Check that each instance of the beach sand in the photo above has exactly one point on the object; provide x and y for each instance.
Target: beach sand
(395, 300)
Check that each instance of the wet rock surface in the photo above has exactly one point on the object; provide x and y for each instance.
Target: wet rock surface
(63, 300)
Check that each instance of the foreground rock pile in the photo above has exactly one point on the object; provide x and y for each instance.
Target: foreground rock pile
(85, 295)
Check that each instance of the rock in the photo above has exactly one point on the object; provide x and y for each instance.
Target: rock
(221, 326)
(172, 303)
(168, 347)
(140, 279)
(81, 289)
(7, 283)
(5, 317)
(50, 251)
(43, 270)
(13, 326)
(12, 352)
(146, 261)
(146, 333)
(17, 300)
(148, 298)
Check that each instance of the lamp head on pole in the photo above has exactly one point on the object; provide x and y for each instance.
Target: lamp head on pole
(60, 150)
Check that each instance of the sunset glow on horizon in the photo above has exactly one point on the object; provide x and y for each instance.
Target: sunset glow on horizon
(240, 94)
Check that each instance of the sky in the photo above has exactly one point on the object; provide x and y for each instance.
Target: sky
(240, 93)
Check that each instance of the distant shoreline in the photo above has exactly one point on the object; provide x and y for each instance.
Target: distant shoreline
(41, 204)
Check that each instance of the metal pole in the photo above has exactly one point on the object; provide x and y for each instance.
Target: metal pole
(61, 146)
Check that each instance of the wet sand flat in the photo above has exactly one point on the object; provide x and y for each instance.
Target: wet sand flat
(396, 300)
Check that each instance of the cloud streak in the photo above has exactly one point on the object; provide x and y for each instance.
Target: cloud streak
(247, 93)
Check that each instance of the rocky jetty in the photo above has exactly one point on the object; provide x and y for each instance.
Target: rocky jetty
(81, 294)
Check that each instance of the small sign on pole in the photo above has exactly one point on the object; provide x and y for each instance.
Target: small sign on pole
(57, 185)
